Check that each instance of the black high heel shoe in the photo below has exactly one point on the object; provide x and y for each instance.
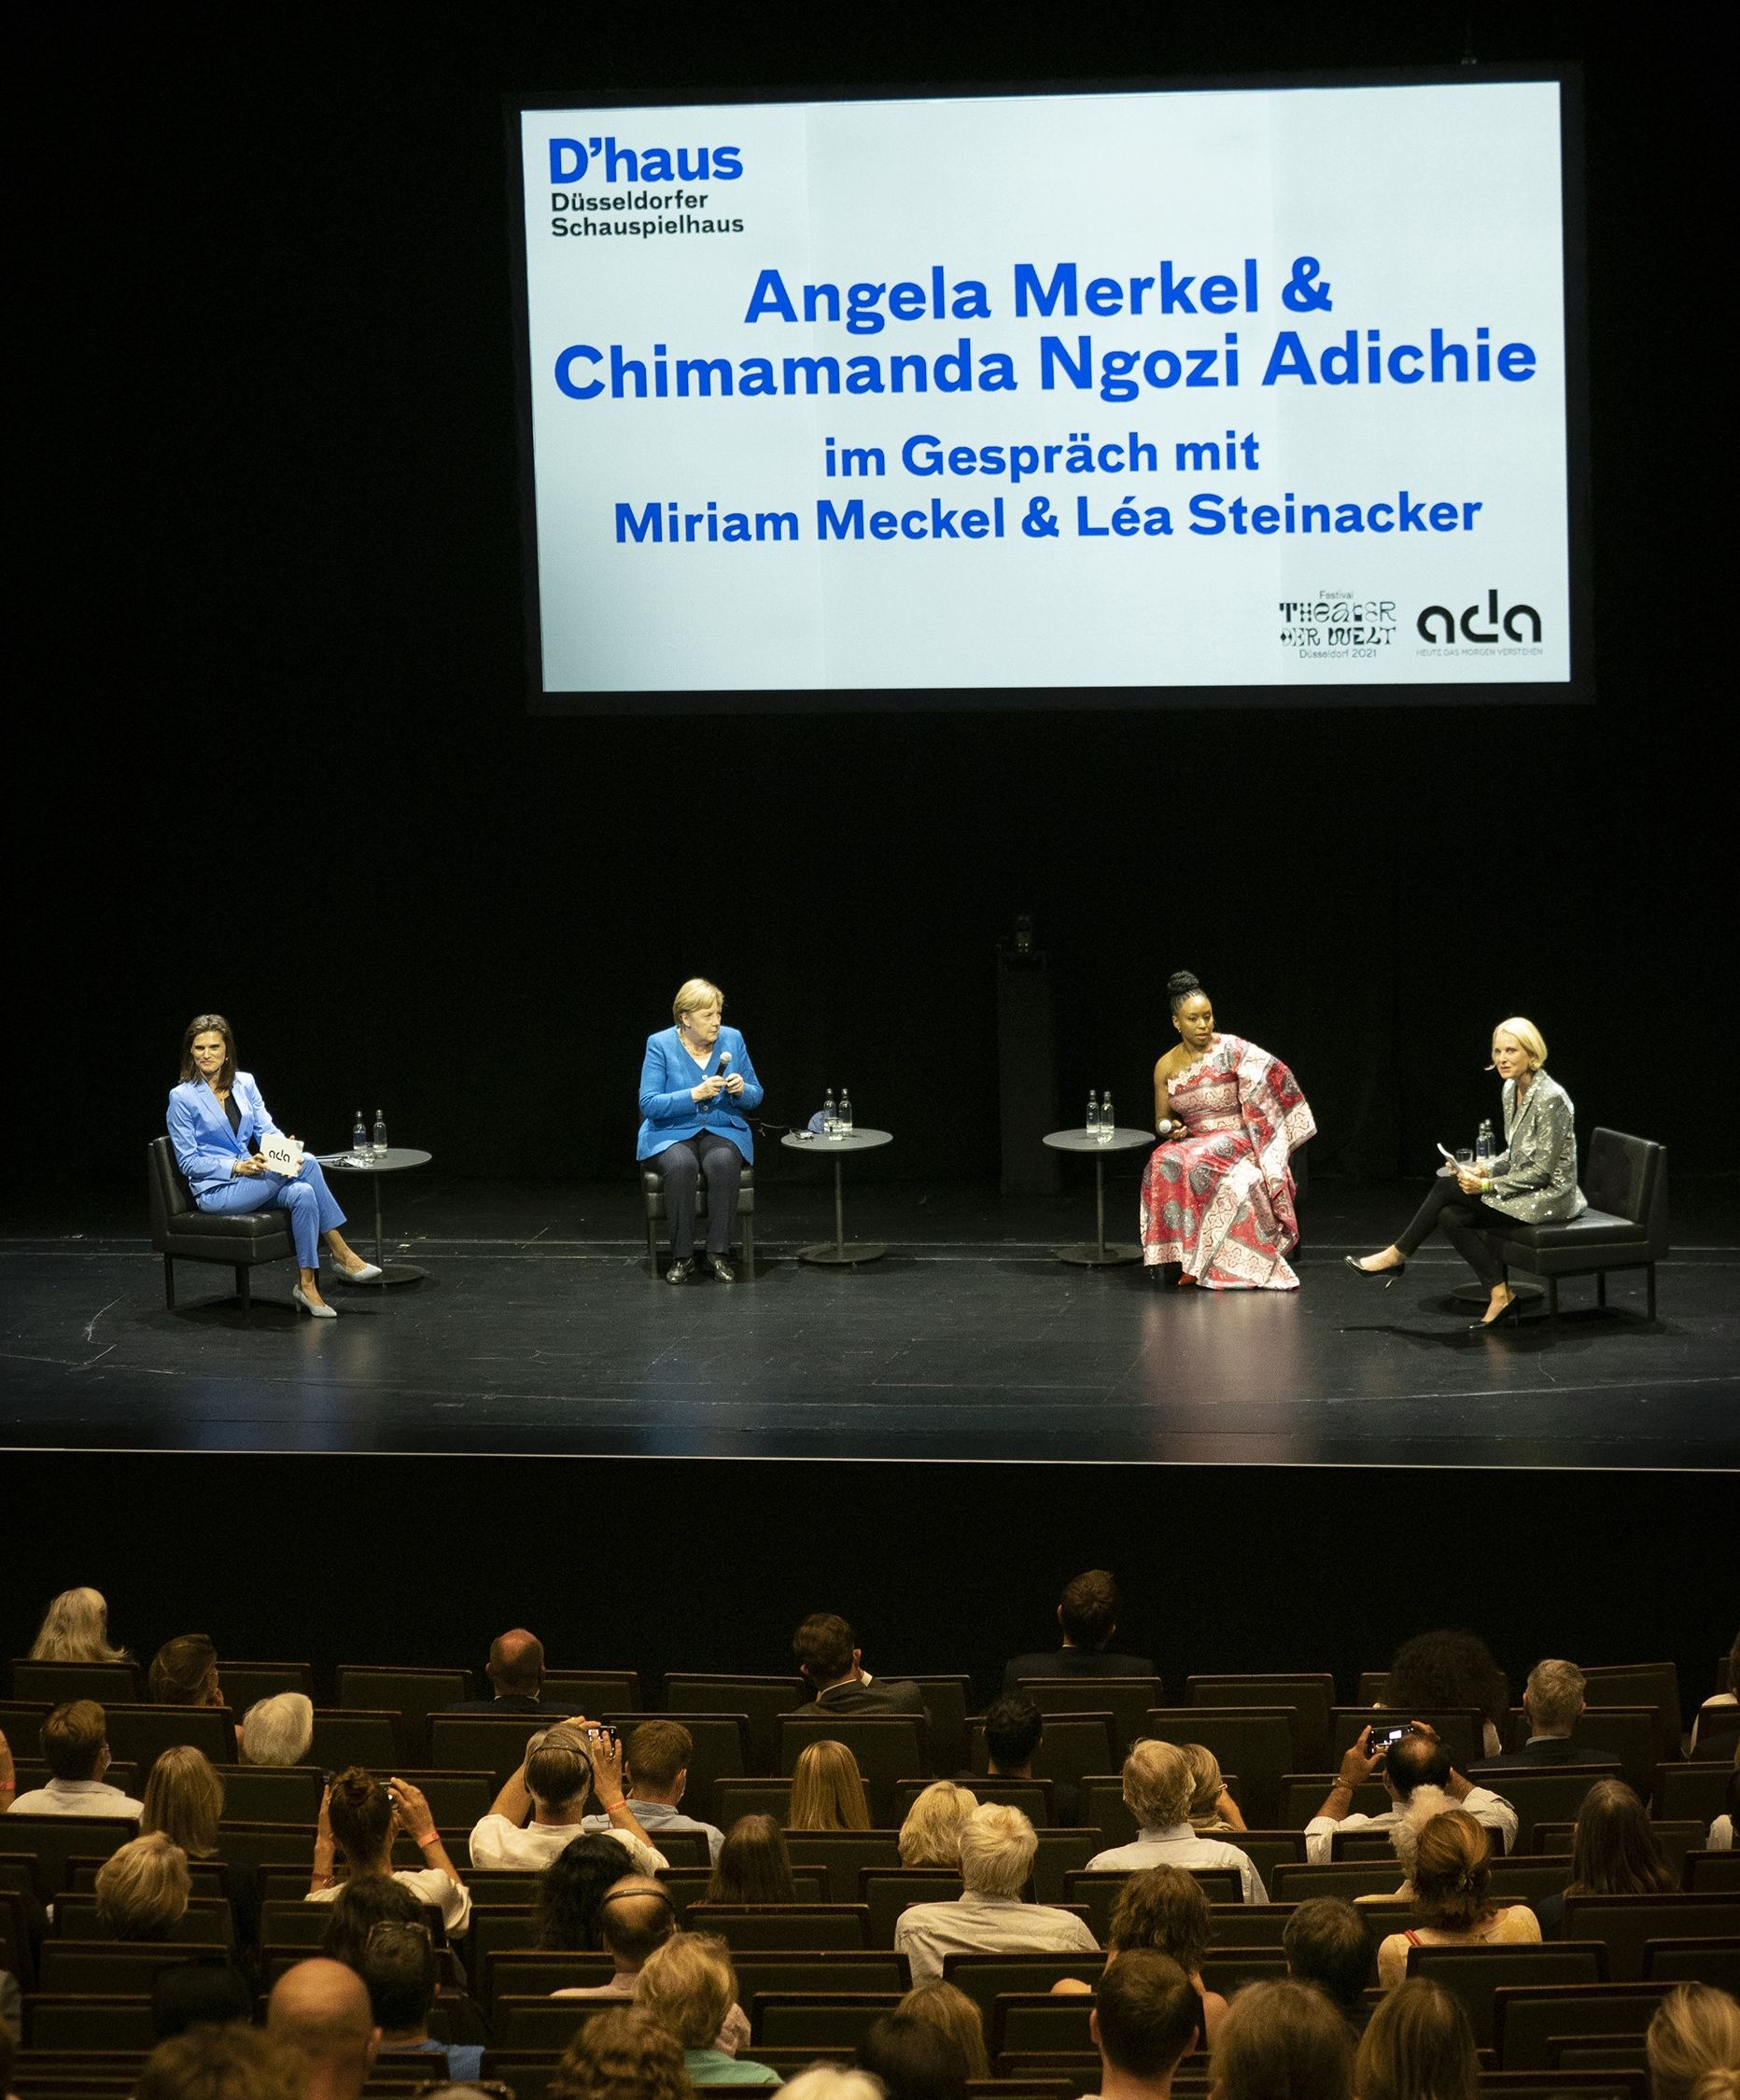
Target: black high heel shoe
(1388, 1275)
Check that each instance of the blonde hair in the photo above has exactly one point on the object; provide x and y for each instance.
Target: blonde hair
(828, 1789)
(1554, 1693)
(948, 2008)
(997, 1848)
(693, 996)
(1418, 2046)
(833, 2081)
(1528, 1035)
(184, 1800)
(1207, 1786)
(279, 1730)
(1452, 1877)
(930, 1835)
(1695, 2032)
(1157, 1783)
(144, 1888)
(689, 1986)
(75, 1629)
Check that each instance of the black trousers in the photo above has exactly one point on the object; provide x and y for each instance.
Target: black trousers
(680, 1167)
(1463, 1220)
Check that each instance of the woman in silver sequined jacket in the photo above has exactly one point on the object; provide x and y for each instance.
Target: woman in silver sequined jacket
(1532, 1181)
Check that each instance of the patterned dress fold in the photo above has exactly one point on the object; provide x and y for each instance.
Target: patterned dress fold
(1219, 1200)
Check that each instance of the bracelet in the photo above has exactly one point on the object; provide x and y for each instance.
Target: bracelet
(423, 1845)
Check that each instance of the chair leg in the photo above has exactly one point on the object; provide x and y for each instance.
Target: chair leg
(1601, 1288)
(169, 1281)
(244, 1288)
(748, 1244)
(651, 1247)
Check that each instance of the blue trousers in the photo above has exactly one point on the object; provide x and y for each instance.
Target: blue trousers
(307, 1199)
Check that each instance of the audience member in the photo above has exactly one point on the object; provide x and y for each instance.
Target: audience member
(997, 1848)
(1328, 1943)
(75, 1748)
(75, 1629)
(1014, 1730)
(1719, 1702)
(930, 1835)
(1088, 1616)
(184, 1672)
(624, 2054)
(1146, 2020)
(1419, 1759)
(361, 1816)
(143, 1889)
(1163, 1910)
(1695, 2034)
(184, 1799)
(912, 2059)
(1281, 2041)
(515, 1670)
(1211, 1808)
(828, 1790)
(225, 2062)
(753, 1864)
(689, 1987)
(655, 1772)
(565, 1911)
(398, 1972)
(279, 1730)
(1157, 1787)
(947, 2007)
(209, 1993)
(562, 1767)
(831, 1664)
(1614, 1852)
(361, 1903)
(636, 1917)
(1446, 1671)
(1451, 1896)
(1721, 1836)
(1418, 2045)
(320, 2009)
(1553, 1701)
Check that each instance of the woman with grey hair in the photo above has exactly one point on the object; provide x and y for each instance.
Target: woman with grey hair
(279, 1730)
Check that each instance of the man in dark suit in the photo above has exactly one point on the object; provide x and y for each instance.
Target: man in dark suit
(1553, 1702)
(1088, 1614)
(516, 1668)
(832, 1665)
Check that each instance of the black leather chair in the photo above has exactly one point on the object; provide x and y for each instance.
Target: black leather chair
(652, 1189)
(1625, 1226)
(181, 1232)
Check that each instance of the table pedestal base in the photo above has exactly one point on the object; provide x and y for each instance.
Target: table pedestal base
(1087, 1254)
(830, 1253)
(1477, 1294)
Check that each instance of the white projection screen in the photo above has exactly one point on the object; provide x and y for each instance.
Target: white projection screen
(1229, 394)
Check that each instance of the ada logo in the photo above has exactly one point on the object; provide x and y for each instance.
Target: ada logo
(570, 159)
(1514, 615)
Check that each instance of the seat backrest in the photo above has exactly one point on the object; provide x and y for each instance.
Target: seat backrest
(760, 1700)
(1714, 1960)
(1346, 1879)
(1553, 1795)
(733, 1798)
(1036, 2019)
(1709, 1871)
(532, 1972)
(886, 1745)
(595, 1691)
(944, 1700)
(1461, 1729)
(86, 2019)
(171, 1196)
(207, 1919)
(807, 1969)
(692, 1885)
(123, 1967)
(1530, 1876)
(347, 1735)
(1630, 1733)
(1527, 2016)
(1676, 1839)
(1303, 1793)
(245, 1684)
(1061, 1852)
(477, 1742)
(720, 1751)
(1311, 1694)
(268, 1844)
(1639, 1684)
(1699, 1790)
(1229, 1969)
(782, 1925)
(985, 1978)
(887, 1891)
(110, 1683)
(1033, 1797)
(1254, 1741)
(1623, 1924)
(1472, 1974)
(1098, 1893)
(55, 1841)
(1627, 1177)
(1073, 1745)
(841, 1854)
(1127, 1700)
(1248, 1925)
(542, 2022)
(414, 1695)
(819, 2019)
(274, 1793)
(140, 1733)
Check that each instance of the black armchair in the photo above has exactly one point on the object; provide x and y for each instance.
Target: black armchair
(1625, 1226)
(652, 1189)
(180, 1231)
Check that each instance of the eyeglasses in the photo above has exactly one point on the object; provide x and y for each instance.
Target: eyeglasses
(392, 1932)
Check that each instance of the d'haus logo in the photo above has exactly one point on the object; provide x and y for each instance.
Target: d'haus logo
(573, 159)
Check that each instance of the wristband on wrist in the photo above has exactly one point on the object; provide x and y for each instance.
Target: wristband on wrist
(423, 1845)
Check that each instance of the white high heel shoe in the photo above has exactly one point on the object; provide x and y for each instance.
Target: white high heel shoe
(308, 1305)
(366, 1274)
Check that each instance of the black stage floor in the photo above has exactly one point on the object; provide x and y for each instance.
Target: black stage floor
(538, 1328)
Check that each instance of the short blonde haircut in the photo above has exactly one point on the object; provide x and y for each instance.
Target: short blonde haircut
(1157, 1785)
(948, 2009)
(75, 1629)
(1695, 2032)
(695, 995)
(279, 1730)
(930, 1835)
(144, 1888)
(828, 1789)
(184, 1799)
(833, 2081)
(997, 1848)
(1554, 1693)
(1528, 1035)
(1207, 1783)
(689, 1986)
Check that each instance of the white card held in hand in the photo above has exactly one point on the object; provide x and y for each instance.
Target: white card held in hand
(282, 1154)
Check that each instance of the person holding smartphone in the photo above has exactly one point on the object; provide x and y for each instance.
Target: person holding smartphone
(1404, 1756)
(696, 1082)
(564, 1766)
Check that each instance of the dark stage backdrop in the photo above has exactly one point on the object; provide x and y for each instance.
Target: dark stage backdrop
(696, 1564)
(270, 748)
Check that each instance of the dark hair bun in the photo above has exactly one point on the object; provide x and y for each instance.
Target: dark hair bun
(1181, 983)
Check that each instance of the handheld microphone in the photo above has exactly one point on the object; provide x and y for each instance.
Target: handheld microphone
(725, 1058)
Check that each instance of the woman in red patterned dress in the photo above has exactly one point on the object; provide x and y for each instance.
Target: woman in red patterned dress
(1217, 1196)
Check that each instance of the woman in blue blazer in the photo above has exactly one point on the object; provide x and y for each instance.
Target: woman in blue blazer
(215, 1117)
(694, 1086)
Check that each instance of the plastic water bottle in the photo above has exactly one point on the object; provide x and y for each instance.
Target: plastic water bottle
(1092, 1125)
(830, 1118)
(359, 1138)
(1486, 1145)
(1108, 1122)
(380, 1135)
(846, 1112)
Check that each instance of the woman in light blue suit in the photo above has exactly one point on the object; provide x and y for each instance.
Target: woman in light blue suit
(215, 1117)
(694, 1086)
